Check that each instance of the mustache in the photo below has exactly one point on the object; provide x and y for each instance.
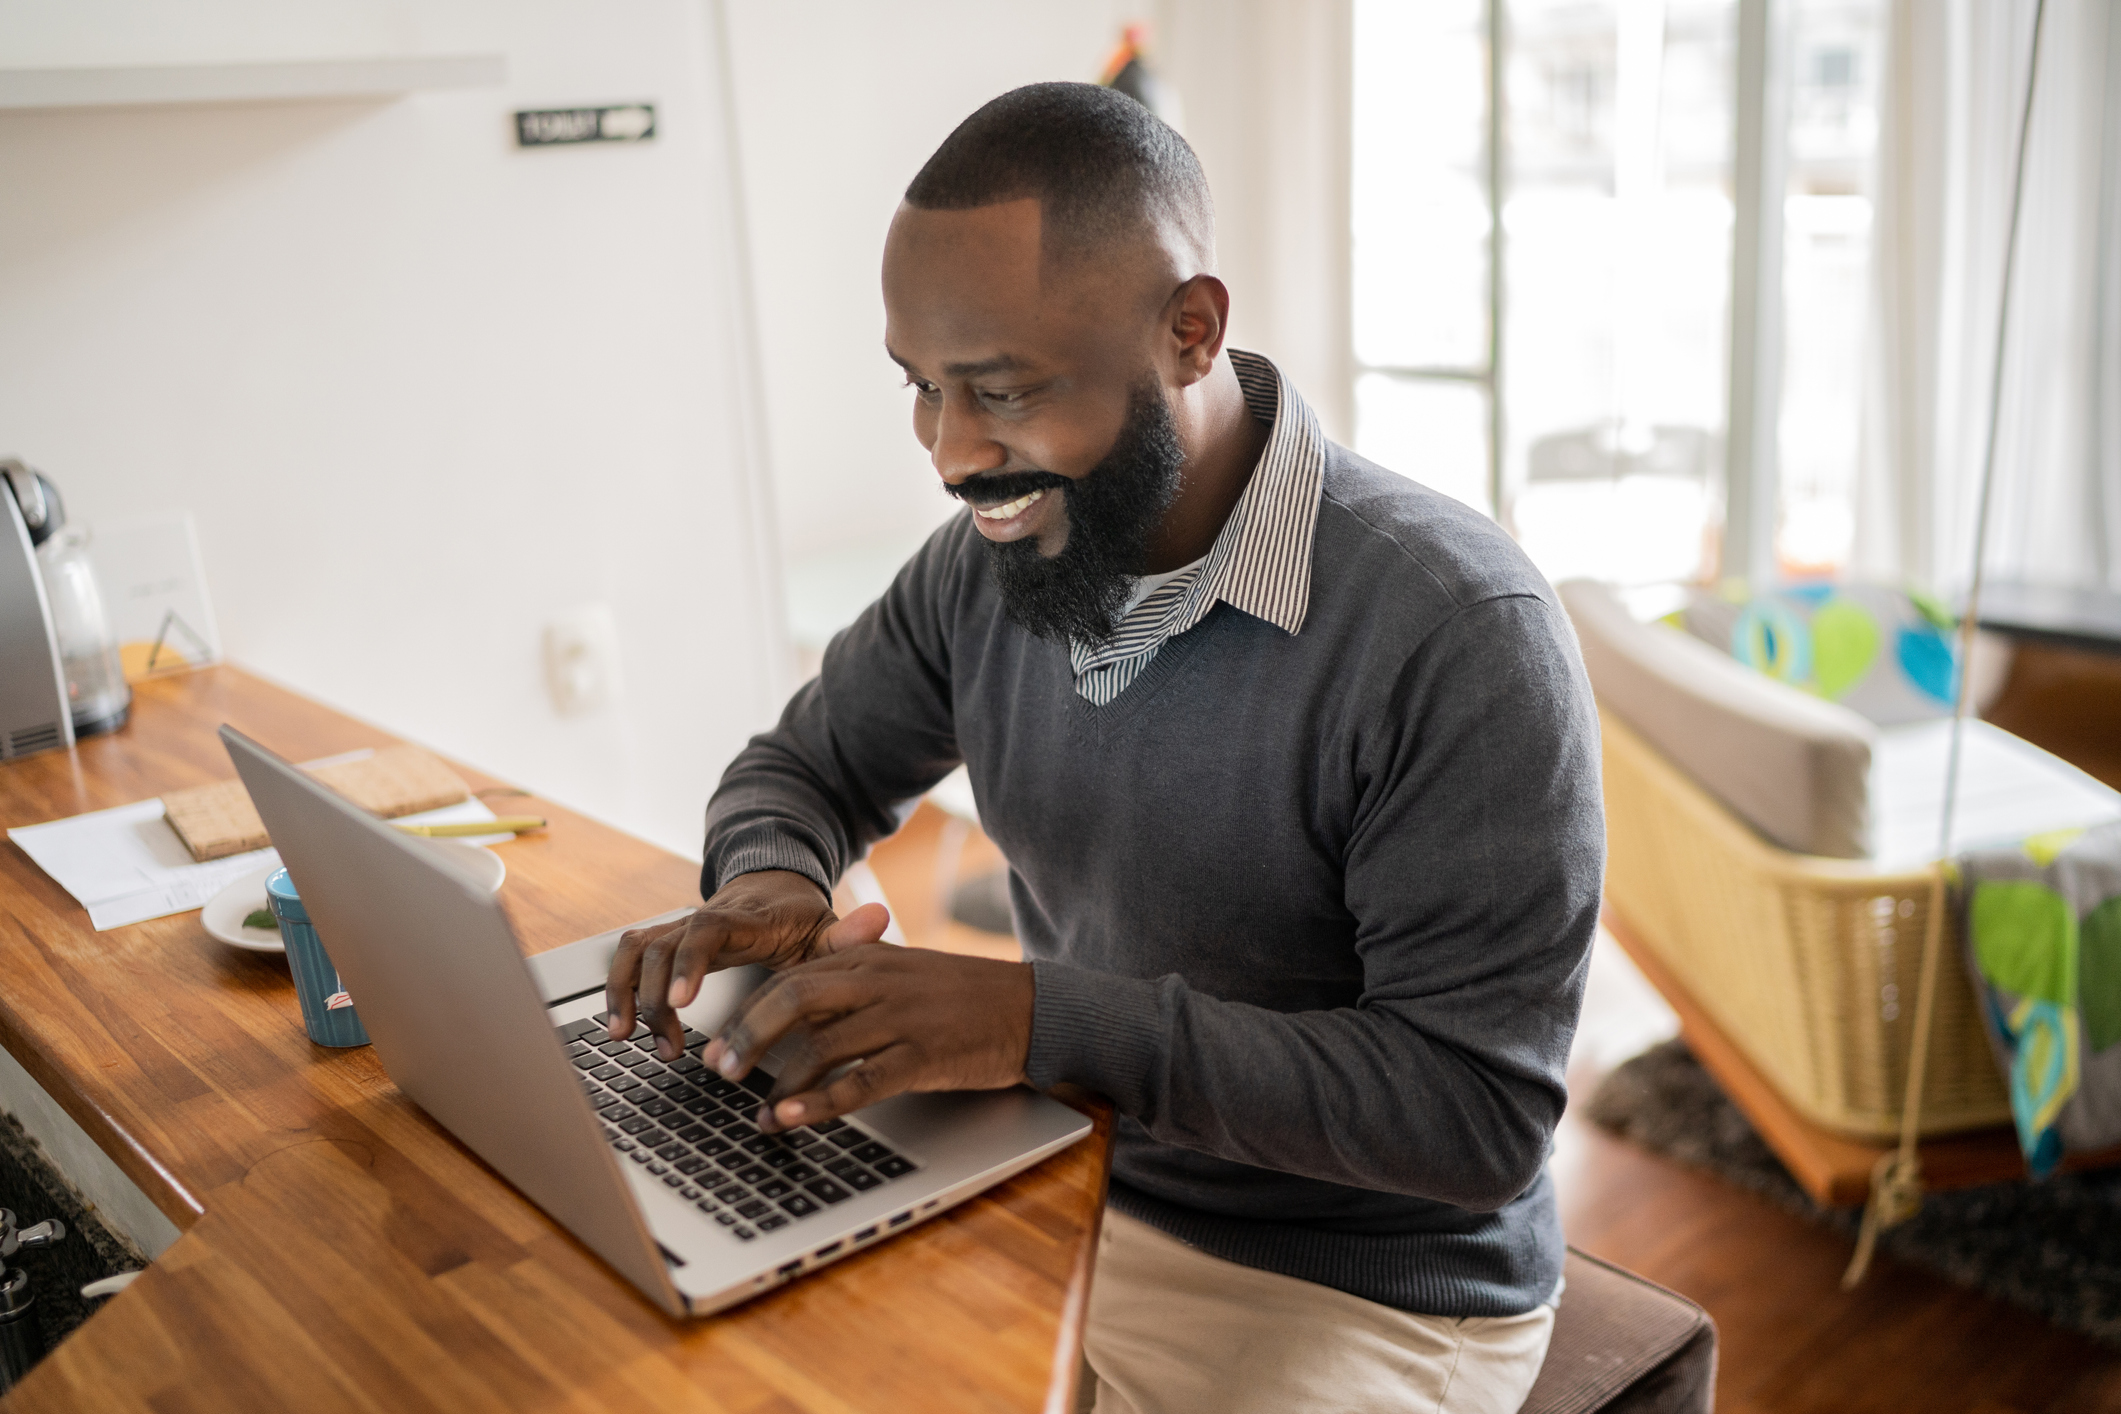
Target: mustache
(993, 488)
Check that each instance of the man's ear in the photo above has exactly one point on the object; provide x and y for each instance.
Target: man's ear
(1200, 317)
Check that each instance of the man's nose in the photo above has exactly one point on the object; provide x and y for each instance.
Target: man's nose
(962, 447)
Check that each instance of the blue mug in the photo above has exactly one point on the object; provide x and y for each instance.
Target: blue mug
(327, 1012)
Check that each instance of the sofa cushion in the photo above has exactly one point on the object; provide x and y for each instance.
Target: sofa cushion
(1792, 765)
(2009, 789)
(1809, 774)
(1887, 655)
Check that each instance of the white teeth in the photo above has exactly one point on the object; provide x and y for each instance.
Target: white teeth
(1008, 508)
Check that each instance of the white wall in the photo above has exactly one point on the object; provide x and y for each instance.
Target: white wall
(485, 386)
(422, 391)
(1267, 88)
(839, 102)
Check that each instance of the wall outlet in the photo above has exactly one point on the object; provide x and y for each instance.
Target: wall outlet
(582, 660)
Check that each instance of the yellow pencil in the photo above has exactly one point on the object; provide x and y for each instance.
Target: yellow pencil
(505, 825)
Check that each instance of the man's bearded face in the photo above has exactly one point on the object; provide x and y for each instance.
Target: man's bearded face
(1112, 511)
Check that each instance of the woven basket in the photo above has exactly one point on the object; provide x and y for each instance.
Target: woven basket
(1810, 966)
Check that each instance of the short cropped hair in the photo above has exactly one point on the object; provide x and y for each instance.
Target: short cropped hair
(1101, 166)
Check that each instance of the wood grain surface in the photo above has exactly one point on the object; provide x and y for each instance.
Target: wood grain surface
(342, 1252)
(1789, 1339)
(2066, 701)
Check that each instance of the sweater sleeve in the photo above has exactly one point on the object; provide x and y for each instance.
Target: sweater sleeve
(1473, 867)
(871, 732)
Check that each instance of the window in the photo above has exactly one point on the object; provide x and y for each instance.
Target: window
(1833, 139)
(1423, 212)
(1543, 287)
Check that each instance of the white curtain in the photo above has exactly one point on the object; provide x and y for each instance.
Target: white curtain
(1956, 80)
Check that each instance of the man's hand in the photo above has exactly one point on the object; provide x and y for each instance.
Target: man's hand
(773, 917)
(866, 1023)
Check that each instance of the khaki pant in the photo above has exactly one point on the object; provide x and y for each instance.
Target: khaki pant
(1173, 1330)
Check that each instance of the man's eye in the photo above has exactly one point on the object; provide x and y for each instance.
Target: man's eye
(1005, 399)
(926, 390)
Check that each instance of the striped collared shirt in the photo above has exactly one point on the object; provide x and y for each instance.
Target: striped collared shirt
(1260, 563)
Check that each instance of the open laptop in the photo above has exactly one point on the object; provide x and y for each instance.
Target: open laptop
(659, 1170)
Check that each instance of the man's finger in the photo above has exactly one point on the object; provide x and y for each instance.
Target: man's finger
(697, 950)
(810, 992)
(653, 991)
(677, 962)
(868, 1080)
(859, 928)
(623, 977)
(810, 1053)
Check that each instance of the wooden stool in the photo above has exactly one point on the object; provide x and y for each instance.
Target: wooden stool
(1624, 1345)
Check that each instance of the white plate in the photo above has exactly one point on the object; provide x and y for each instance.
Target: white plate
(225, 911)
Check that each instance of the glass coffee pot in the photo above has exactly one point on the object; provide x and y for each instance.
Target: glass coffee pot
(96, 691)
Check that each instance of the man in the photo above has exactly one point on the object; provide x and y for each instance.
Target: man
(1295, 769)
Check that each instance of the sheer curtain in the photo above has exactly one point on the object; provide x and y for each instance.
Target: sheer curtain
(1953, 94)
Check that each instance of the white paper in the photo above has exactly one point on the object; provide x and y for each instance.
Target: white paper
(126, 865)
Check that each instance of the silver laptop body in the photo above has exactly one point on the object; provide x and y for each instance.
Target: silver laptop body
(474, 1036)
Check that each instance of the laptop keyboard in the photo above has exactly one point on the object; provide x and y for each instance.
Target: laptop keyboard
(693, 1129)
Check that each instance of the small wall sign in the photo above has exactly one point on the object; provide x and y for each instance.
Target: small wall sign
(556, 127)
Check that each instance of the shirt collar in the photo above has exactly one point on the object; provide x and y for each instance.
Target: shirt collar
(1261, 562)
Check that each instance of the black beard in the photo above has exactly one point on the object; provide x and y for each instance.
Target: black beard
(1112, 512)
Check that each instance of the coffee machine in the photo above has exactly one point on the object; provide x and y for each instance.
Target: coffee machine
(59, 672)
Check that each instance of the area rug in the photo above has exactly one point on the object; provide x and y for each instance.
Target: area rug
(90, 1251)
(2052, 1248)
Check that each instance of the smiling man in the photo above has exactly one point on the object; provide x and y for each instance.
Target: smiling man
(1296, 771)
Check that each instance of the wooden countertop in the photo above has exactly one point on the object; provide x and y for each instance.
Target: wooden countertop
(343, 1252)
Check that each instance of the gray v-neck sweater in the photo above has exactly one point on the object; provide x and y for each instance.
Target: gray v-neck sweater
(1313, 909)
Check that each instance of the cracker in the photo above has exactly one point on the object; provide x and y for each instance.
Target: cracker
(219, 820)
(215, 821)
